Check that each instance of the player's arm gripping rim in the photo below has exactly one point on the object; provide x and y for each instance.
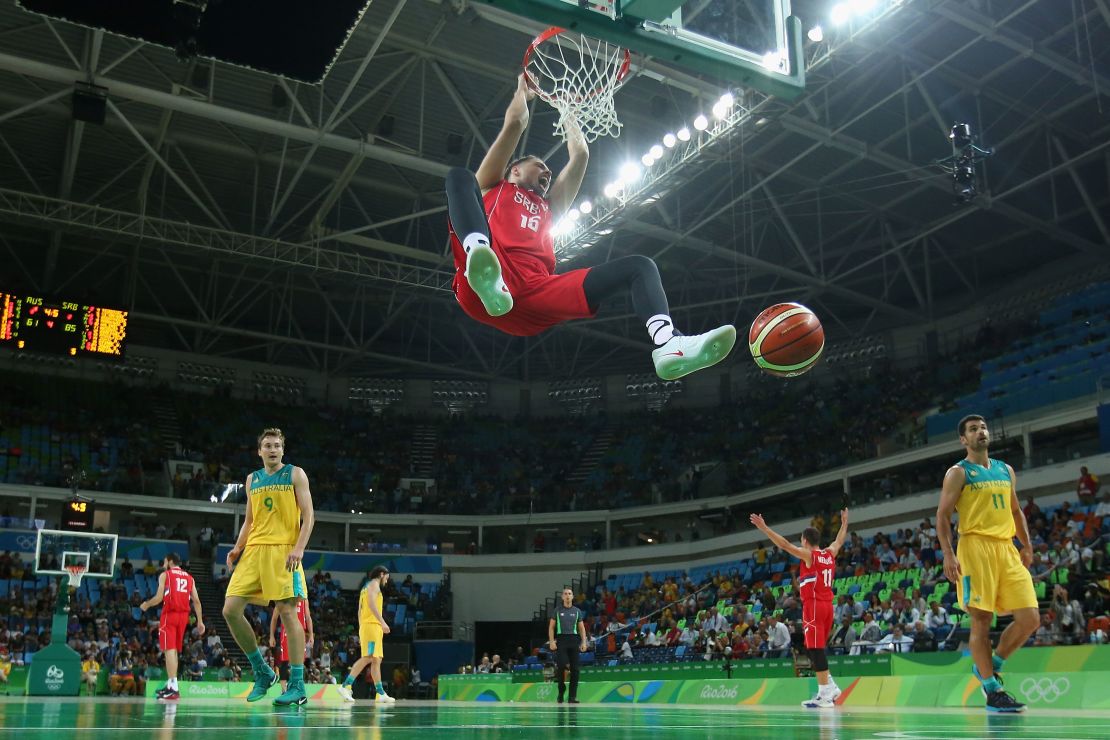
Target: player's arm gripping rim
(806, 556)
(375, 588)
(492, 169)
(1020, 523)
(954, 481)
(566, 186)
(195, 597)
(244, 531)
(308, 518)
(157, 598)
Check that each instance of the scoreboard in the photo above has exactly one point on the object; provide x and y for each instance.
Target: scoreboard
(36, 324)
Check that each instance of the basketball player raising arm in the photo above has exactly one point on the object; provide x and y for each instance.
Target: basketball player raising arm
(815, 585)
(500, 226)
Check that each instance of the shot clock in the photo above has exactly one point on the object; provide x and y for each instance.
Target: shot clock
(77, 514)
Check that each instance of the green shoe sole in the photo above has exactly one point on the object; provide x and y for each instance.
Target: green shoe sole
(717, 346)
(483, 274)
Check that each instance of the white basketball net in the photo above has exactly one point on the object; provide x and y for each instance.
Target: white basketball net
(578, 76)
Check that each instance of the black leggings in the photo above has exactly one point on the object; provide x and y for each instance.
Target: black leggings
(636, 273)
(464, 204)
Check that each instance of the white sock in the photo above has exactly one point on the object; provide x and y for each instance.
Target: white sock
(172, 684)
(473, 240)
(660, 328)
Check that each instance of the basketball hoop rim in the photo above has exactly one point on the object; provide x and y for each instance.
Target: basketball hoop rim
(76, 573)
(551, 33)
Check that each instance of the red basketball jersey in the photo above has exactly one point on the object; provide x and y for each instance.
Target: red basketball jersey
(520, 223)
(302, 617)
(816, 580)
(179, 589)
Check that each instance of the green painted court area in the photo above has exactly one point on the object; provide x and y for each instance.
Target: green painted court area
(32, 718)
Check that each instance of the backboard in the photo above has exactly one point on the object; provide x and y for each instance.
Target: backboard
(751, 43)
(55, 549)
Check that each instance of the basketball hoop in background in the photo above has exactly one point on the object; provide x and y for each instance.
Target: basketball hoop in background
(76, 571)
(578, 76)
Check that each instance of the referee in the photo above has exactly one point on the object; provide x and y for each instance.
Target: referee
(566, 636)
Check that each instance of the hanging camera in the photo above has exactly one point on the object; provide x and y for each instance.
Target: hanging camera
(961, 165)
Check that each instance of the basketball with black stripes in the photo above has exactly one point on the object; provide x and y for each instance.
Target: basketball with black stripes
(786, 339)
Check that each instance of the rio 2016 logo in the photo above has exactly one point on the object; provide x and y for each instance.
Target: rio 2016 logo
(54, 677)
(544, 691)
(1044, 690)
(719, 692)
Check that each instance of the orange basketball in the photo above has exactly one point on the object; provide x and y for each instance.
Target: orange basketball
(786, 339)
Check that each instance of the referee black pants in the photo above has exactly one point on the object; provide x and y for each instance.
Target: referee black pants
(566, 654)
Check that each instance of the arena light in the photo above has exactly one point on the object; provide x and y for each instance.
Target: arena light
(562, 227)
(657, 151)
(586, 206)
(648, 160)
(862, 7)
(701, 123)
(573, 214)
(629, 172)
(611, 190)
(683, 134)
(669, 141)
(816, 34)
(840, 14)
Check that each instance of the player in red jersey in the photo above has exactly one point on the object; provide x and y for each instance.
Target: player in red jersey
(815, 583)
(500, 226)
(305, 618)
(176, 591)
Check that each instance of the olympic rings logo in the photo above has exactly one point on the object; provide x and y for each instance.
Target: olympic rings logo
(1044, 689)
(25, 542)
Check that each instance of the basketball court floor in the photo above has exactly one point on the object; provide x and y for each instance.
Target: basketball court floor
(35, 718)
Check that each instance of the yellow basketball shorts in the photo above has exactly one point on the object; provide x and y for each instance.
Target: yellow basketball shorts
(260, 576)
(370, 640)
(994, 580)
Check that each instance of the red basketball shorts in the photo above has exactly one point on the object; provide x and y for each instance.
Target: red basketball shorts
(540, 301)
(817, 618)
(171, 630)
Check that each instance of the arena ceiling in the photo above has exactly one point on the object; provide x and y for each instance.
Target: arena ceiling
(219, 214)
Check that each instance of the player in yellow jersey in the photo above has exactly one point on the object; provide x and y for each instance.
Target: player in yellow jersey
(991, 576)
(371, 630)
(270, 549)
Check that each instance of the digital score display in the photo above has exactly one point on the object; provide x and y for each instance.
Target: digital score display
(37, 324)
(77, 515)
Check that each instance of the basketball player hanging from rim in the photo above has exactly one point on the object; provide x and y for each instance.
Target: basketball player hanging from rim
(500, 224)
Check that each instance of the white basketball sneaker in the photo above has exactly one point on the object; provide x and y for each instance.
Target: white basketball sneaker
(384, 698)
(345, 692)
(825, 699)
(683, 355)
(483, 274)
